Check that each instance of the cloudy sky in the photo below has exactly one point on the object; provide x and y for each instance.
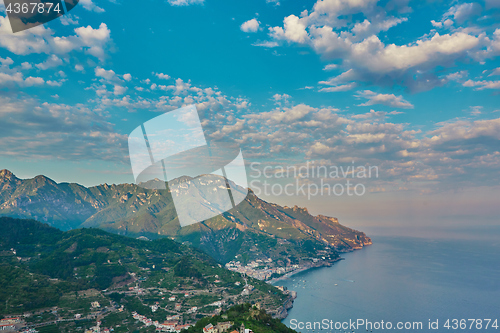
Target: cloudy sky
(409, 86)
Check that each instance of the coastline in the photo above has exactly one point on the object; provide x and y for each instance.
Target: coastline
(303, 269)
(288, 304)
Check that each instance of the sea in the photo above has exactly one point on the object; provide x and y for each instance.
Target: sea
(446, 285)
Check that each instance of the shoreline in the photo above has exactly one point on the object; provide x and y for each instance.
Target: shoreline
(303, 269)
(288, 304)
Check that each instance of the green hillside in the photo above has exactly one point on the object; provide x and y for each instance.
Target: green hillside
(43, 267)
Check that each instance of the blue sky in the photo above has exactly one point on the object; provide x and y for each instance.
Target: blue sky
(409, 86)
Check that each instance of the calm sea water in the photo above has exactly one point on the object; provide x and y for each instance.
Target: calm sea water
(401, 279)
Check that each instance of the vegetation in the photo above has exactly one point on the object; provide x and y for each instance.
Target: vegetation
(250, 316)
(42, 267)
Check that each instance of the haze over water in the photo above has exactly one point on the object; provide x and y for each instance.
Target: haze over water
(401, 279)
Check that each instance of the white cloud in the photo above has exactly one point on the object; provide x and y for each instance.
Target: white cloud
(41, 40)
(79, 68)
(52, 61)
(127, 77)
(95, 39)
(6, 79)
(6, 62)
(267, 43)
(273, 2)
(483, 84)
(495, 72)
(26, 65)
(53, 83)
(476, 110)
(457, 76)
(162, 76)
(329, 11)
(106, 74)
(437, 24)
(294, 30)
(330, 67)
(34, 81)
(343, 87)
(463, 12)
(17, 78)
(68, 19)
(384, 99)
(327, 31)
(119, 90)
(250, 25)
(185, 2)
(281, 98)
(89, 5)
(47, 131)
(436, 50)
(366, 28)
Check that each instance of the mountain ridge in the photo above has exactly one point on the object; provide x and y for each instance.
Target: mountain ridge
(131, 210)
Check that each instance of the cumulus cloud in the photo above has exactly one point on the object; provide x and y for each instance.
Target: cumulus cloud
(294, 30)
(119, 90)
(404, 156)
(6, 62)
(12, 77)
(162, 76)
(281, 98)
(250, 25)
(463, 12)
(482, 84)
(360, 51)
(40, 39)
(91, 6)
(47, 130)
(106, 74)
(384, 99)
(6, 79)
(52, 61)
(34, 81)
(367, 28)
(68, 19)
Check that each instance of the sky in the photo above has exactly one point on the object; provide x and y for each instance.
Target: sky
(409, 87)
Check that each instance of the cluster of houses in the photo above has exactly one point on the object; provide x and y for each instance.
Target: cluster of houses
(97, 329)
(259, 269)
(9, 324)
(224, 327)
(218, 328)
(167, 326)
(13, 324)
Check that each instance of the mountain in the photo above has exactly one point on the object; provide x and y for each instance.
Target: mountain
(42, 267)
(254, 229)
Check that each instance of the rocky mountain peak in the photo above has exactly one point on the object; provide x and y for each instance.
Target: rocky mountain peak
(300, 209)
(6, 174)
(41, 179)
